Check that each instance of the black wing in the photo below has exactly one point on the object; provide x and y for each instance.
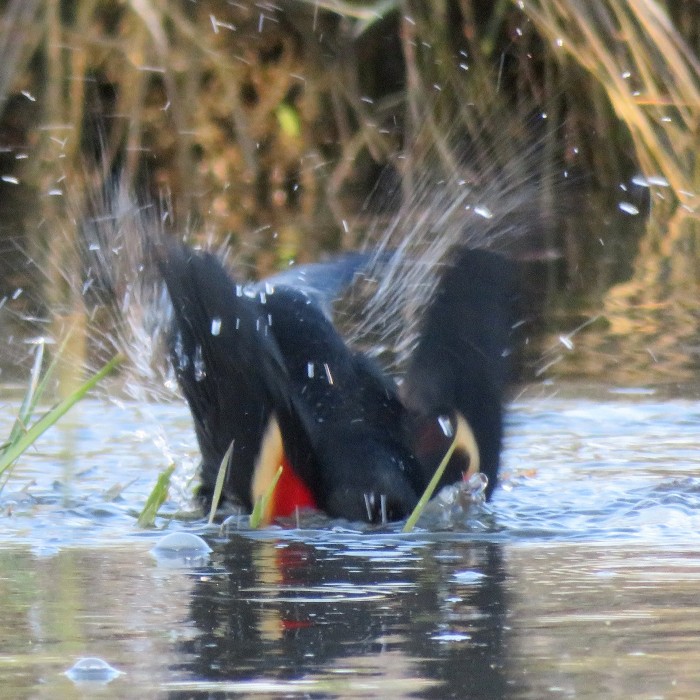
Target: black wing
(461, 364)
(222, 353)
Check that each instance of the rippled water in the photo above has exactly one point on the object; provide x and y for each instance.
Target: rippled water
(580, 579)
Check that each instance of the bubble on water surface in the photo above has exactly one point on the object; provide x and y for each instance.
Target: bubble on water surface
(92, 669)
(181, 549)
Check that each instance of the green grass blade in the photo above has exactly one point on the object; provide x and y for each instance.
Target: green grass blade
(35, 391)
(156, 498)
(255, 517)
(219, 485)
(15, 450)
(261, 504)
(430, 488)
(29, 400)
(50, 370)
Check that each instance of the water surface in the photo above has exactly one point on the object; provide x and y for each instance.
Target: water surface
(580, 579)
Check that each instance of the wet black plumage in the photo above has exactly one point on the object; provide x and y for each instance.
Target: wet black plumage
(462, 362)
(350, 434)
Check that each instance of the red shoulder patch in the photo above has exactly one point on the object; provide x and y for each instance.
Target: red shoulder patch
(290, 493)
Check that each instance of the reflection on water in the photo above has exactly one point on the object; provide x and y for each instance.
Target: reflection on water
(579, 580)
(395, 618)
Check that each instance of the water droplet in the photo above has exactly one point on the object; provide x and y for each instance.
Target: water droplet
(566, 341)
(628, 208)
(200, 371)
(329, 376)
(484, 211)
(369, 504)
(446, 426)
(468, 577)
(477, 484)
(444, 637)
(170, 382)
(181, 357)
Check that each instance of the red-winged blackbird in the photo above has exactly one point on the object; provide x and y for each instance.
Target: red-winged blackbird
(265, 372)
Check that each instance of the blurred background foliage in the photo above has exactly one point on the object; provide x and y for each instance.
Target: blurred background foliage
(269, 125)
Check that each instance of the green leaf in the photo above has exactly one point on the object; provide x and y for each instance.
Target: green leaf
(219, 486)
(261, 504)
(430, 488)
(156, 498)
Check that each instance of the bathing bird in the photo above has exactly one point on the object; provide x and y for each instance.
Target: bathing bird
(270, 381)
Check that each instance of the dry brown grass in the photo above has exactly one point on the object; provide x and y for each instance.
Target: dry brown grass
(266, 126)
